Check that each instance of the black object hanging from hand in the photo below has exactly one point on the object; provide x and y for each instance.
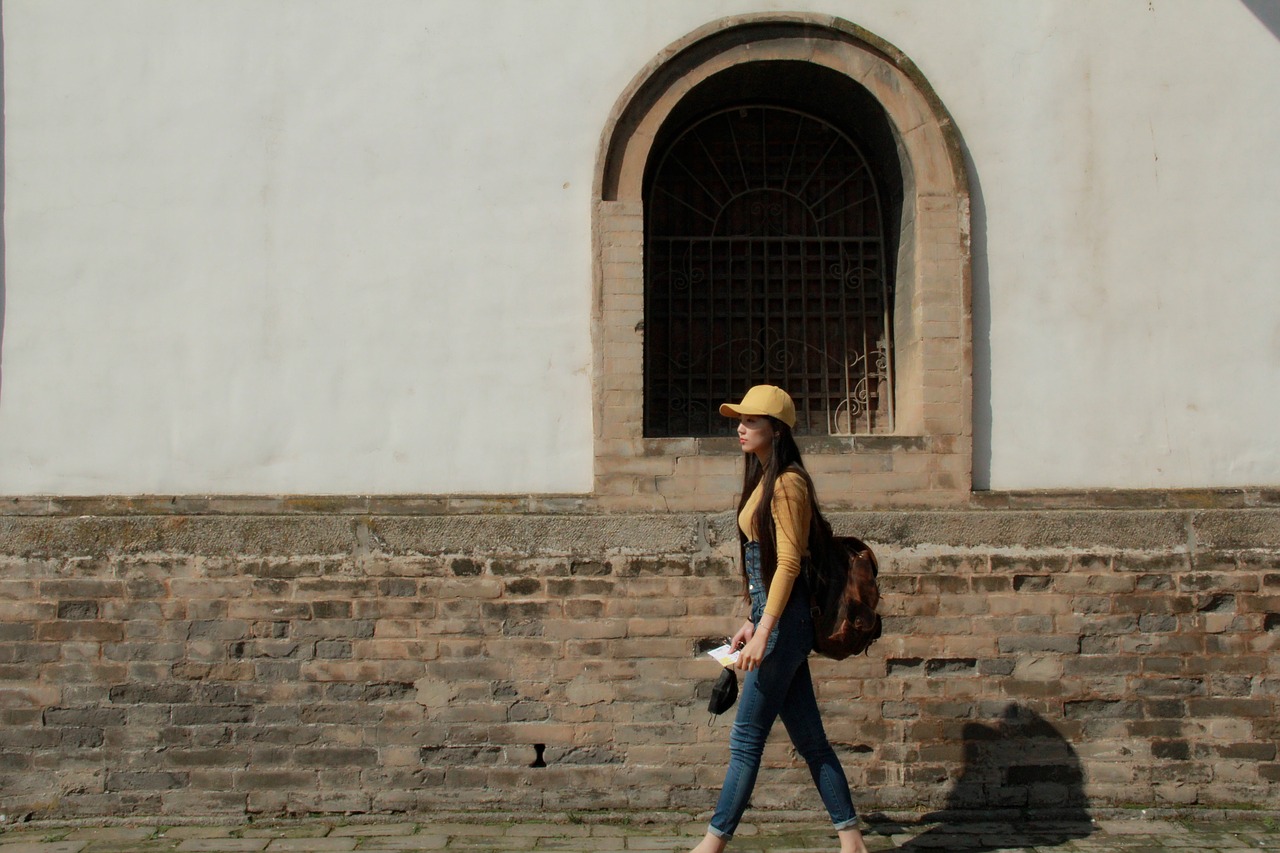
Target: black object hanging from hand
(724, 693)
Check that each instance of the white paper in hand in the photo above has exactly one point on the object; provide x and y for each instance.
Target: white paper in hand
(724, 655)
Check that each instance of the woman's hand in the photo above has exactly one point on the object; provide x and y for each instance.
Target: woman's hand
(743, 636)
(757, 638)
(753, 652)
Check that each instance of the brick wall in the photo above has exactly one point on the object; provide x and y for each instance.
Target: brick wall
(193, 661)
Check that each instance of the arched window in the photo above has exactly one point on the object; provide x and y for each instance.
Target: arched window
(765, 261)
(782, 198)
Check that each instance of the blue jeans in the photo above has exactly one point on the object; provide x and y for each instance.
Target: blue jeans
(782, 687)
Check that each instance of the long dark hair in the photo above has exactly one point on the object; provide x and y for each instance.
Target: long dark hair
(785, 454)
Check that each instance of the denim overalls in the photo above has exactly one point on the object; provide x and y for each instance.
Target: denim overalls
(781, 686)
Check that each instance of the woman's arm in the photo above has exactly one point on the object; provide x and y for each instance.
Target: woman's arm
(791, 515)
(791, 523)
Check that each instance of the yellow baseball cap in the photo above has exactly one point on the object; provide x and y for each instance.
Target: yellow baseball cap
(764, 400)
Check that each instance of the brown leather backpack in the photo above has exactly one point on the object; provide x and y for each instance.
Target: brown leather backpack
(844, 595)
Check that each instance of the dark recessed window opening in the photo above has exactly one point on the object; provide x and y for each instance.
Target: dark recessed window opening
(766, 260)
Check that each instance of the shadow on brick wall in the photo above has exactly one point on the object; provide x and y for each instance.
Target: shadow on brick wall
(1021, 786)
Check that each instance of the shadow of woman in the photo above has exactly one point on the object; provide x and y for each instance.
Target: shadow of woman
(1021, 786)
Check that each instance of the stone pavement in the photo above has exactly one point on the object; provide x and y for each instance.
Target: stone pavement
(575, 833)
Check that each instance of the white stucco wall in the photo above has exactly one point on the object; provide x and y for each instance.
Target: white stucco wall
(329, 246)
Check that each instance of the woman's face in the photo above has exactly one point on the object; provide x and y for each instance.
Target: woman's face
(755, 434)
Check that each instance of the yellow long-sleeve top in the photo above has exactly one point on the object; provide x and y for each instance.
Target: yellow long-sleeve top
(791, 515)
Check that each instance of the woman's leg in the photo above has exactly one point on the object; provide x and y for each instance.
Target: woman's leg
(804, 724)
(851, 841)
(759, 702)
(710, 844)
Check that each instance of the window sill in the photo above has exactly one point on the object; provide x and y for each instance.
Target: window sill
(809, 444)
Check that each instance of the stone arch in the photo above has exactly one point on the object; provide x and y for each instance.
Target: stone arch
(927, 460)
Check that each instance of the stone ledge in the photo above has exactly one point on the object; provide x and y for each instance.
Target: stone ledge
(75, 506)
(332, 535)
(569, 534)
(305, 505)
(1225, 498)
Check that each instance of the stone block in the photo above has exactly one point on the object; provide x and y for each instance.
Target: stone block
(222, 845)
(77, 609)
(312, 845)
(333, 649)
(145, 781)
(81, 631)
(198, 715)
(67, 846)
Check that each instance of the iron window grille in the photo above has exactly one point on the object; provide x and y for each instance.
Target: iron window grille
(765, 262)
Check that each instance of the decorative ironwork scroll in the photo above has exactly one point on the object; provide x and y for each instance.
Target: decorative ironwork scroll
(765, 262)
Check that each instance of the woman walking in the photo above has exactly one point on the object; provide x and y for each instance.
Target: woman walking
(775, 512)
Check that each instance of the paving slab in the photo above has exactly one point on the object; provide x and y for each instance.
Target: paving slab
(667, 842)
(308, 830)
(460, 830)
(306, 845)
(503, 834)
(198, 831)
(1139, 827)
(112, 833)
(546, 830)
(490, 842)
(421, 841)
(370, 830)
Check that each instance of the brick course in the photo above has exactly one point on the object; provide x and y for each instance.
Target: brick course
(292, 663)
